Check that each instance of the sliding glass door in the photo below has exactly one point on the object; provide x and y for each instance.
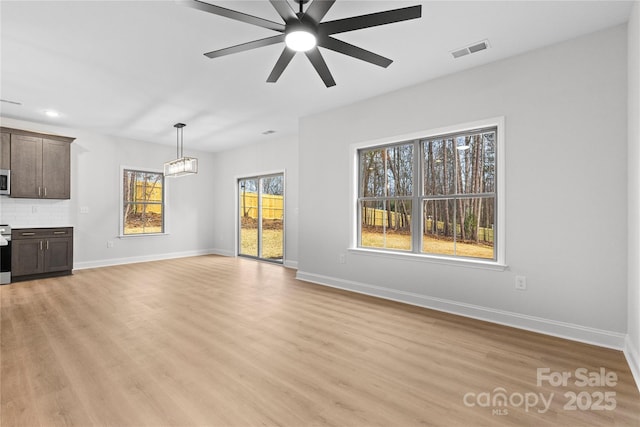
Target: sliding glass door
(261, 217)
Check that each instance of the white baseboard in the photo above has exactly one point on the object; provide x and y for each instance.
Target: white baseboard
(633, 359)
(291, 264)
(160, 257)
(223, 252)
(555, 328)
(136, 259)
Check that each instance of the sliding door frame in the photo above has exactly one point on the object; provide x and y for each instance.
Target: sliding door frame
(258, 177)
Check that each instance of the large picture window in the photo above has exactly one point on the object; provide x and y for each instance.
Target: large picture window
(142, 202)
(459, 194)
(386, 196)
(432, 196)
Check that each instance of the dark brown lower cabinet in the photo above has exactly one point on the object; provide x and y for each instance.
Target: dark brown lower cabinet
(41, 252)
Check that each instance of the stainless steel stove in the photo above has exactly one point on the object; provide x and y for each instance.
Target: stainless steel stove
(5, 254)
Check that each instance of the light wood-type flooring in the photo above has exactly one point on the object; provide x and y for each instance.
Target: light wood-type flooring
(216, 341)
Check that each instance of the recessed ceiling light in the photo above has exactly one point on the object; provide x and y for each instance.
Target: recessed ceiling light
(52, 113)
(268, 132)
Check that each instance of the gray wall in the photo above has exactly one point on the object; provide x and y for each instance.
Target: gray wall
(95, 184)
(565, 108)
(280, 155)
(572, 204)
(632, 349)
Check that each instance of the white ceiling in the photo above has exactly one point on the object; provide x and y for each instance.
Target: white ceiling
(134, 68)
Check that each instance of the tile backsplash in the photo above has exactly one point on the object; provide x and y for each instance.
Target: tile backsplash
(33, 212)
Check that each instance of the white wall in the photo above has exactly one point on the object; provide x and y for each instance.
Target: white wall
(565, 108)
(95, 183)
(632, 349)
(280, 155)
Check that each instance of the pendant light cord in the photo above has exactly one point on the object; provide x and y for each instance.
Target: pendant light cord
(179, 140)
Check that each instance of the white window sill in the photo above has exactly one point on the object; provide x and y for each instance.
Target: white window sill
(126, 236)
(434, 259)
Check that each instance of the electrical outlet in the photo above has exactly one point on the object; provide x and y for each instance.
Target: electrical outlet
(342, 259)
(109, 243)
(34, 209)
(521, 283)
(84, 209)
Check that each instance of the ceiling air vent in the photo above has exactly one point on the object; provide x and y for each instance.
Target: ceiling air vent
(476, 47)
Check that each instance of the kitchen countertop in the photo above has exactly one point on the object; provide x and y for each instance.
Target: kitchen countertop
(15, 227)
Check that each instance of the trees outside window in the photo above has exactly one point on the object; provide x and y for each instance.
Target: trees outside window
(142, 202)
(459, 194)
(434, 196)
(386, 196)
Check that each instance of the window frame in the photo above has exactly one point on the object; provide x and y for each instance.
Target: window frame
(238, 239)
(164, 232)
(387, 197)
(417, 138)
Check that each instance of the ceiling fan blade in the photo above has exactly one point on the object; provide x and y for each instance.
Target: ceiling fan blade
(318, 63)
(284, 10)
(232, 14)
(354, 51)
(245, 46)
(286, 57)
(318, 9)
(370, 20)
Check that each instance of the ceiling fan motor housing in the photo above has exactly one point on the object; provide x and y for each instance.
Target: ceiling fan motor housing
(306, 25)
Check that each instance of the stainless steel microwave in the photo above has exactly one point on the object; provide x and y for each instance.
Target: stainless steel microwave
(5, 181)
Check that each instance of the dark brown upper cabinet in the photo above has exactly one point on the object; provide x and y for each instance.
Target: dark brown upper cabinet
(40, 165)
(5, 151)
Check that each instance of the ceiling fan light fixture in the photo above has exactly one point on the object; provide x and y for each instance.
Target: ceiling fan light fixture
(300, 40)
(305, 30)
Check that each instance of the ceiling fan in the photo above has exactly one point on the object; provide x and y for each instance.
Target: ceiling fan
(304, 31)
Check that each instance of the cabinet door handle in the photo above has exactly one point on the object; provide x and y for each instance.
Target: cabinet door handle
(59, 232)
(28, 234)
(40, 244)
(39, 191)
(45, 191)
(47, 248)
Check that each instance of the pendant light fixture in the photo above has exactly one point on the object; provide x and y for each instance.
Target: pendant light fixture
(182, 165)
